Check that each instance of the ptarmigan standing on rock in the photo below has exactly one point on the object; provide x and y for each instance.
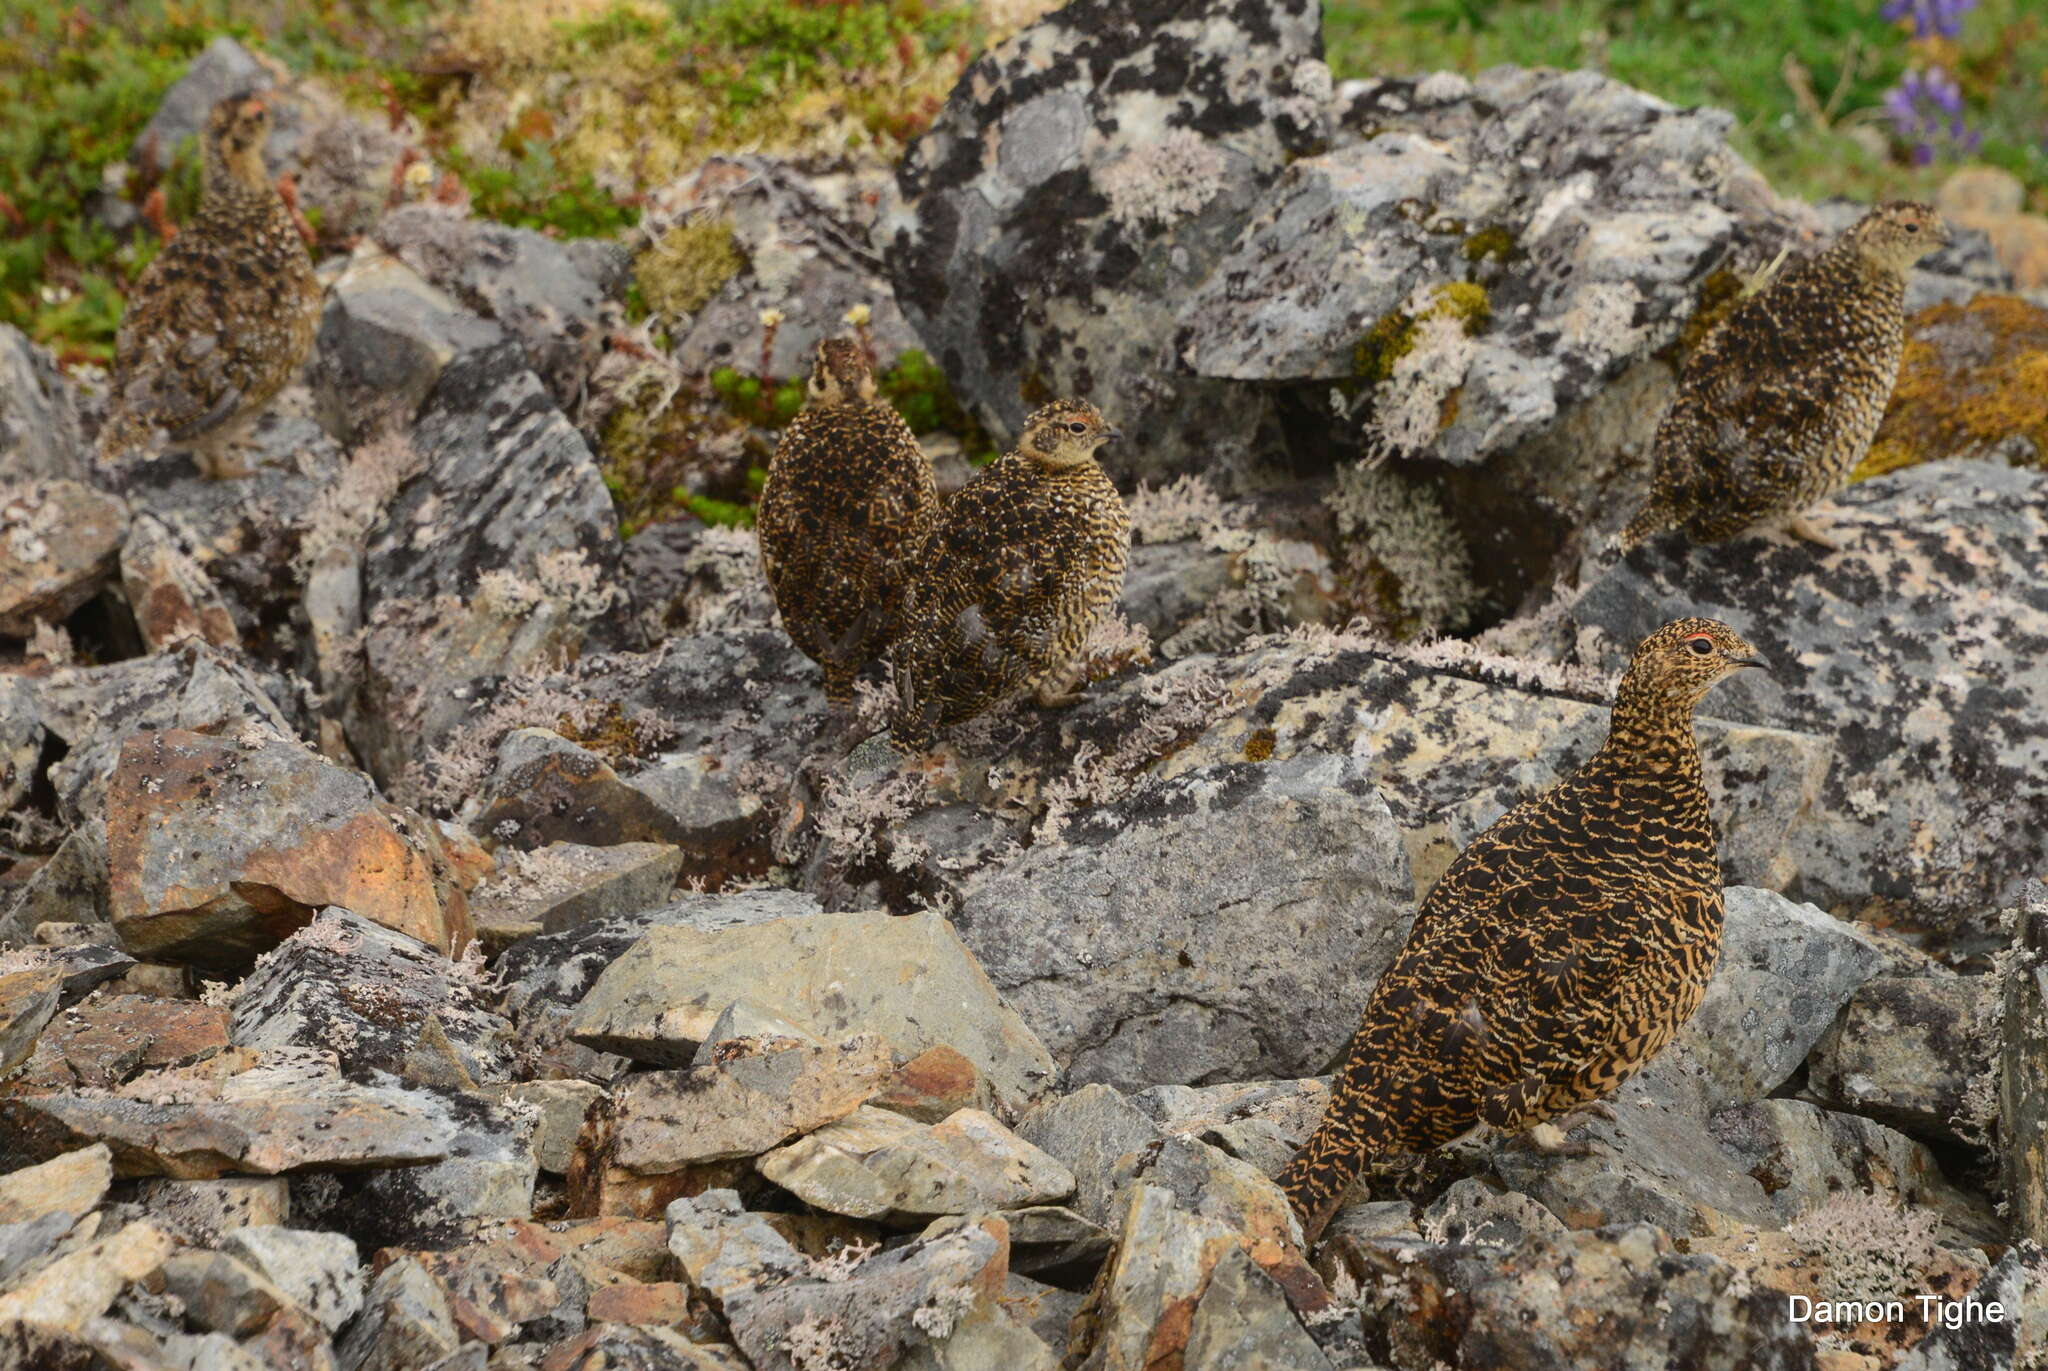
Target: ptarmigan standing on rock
(225, 314)
(1020, 567)
(1781, 399)
(848, 489)
(1562, 950)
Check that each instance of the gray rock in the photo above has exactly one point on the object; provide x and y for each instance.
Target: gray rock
(724, 1250)
(1243, 1323)
(25, 1242)
(1054, 1243)
(386, 334)
(224, 68)
(1220, 925)
(1905, 1052)
(60, 541)
(534, 287)
(1472, 1213)
(80, 1284)
(72, 1184)
(910, 980)
(799, 256)
(27, 1000)
(1263, 1123)
(753, 1095)
(222, 1294)
(40, 432)
(1935, 801)
(2023, 1070)
(488, 1172)
(168, 591)
(376, 999)
(204, 1212)
(406, 1322)
(282, 1115)
(1588, 212)
(1085, 175)
(1978, 1343)
(84, 965)
(321, 1272)
(95, 710)
(1091, 1131)
(21, 740)
(547, 790)
(873, 1164)
(565, 884)
(563, 1106)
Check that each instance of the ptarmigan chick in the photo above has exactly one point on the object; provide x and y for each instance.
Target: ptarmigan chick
(225, 314)
(1781, 399)
(1560, 951)
(848, 488)
(1019, 568)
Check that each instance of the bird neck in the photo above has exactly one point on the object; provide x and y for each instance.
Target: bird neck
(236, 178)
(1651, 734)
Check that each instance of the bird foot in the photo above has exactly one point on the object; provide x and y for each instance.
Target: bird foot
(1799, 526)
(1548, 1140)
(1051, 698)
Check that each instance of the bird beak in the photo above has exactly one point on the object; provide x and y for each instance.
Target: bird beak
(1111, 434)
(1755, 659)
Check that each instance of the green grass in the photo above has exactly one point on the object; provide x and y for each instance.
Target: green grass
(1734, 54)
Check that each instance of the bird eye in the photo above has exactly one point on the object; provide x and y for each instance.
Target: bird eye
(1701, 645)
(1912, 228)
(1077, 427)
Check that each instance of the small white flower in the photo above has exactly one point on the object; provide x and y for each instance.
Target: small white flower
(771, 318)
(858, 316)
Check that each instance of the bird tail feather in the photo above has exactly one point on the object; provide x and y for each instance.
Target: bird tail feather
(1334, 1157)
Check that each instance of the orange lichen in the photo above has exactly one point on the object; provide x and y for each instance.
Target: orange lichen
(1974, 378)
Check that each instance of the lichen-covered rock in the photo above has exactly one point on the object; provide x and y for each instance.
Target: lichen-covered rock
(1973, 383)
(59, 543)
(536, 288)
(72, 1184)
(27, 1000)
(2023, 1069)
(785, 248)
(386, 334)
(1222, 925)
(909, 979)
(116, 1037)
(564, 884)
(40, 431)
(168, 591)
(1085, 174)
(380, 1001)
(1906, 1051)
(1920, 648)
(873, 1164)
(488, 1171)
(218, 848)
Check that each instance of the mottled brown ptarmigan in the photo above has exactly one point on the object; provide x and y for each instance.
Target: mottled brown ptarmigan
(1560, 951)
(1781, 399)
(223, 317)
(1017, 571)
(847, 490)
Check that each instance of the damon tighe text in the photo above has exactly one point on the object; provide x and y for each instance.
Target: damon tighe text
(1930, 1309)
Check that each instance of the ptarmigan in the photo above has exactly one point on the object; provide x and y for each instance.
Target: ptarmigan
(1559, 952)
(224, 315)
(847, 489)
(1016, 572)
(1781, 399)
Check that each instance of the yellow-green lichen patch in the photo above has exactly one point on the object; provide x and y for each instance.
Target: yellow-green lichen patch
(1392, 336)
(687, 265)
(1973, 380)
(1491, 244)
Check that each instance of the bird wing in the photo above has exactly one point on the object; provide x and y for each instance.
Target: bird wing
(175, 356)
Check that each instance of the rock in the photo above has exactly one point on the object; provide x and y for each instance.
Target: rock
(59, 542)
(27, 1000)
(1053, 1243)
(1084, 176)
(1965, 387)
(1473, 1214)
(1619, 1297)
(536, 288)
(108, 1042)
(518, 1289)
(1242, 1321)
(1091, 1132)
(94, 711)
(550, 791)
(221, 1294)
(933, 1084)
(205, 1212)
(170, 593)
(79, 1285)
(630, 1348)
(21, 740)
(224, 68)
(1985, 1344)
(278, 1116)
(869, 1316)
(1219, 1190)
(405, 1324)
(1575, 267)
(1304, 897)
(2023, 1070)
(1785, 972)
(1905, 1051)
(1906, 667)
(910, 980)
(218, 848)
(793, 253)
(1801, 1154)
(563, 1106)
(1260, 1122)
(83, 965)
(487, 1172)
(29, 1241)
(565, 884)
(73, 1183)
(385, 337)
(378, 1000)
(749, 1095)
(40, 432)
(874, 1164)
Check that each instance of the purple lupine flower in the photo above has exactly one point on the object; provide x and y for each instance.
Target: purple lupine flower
(1926, 110)
(1930, 17)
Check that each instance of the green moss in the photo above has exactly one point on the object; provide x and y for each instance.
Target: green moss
(1392, 337)
(1492, 244)
(1974, 377)
(725, 513)
(687, 266)
(924, 397)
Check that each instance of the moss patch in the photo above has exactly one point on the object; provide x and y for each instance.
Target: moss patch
(687, 266)
(1973, 378)
(1392, 337)
(1494, 244)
